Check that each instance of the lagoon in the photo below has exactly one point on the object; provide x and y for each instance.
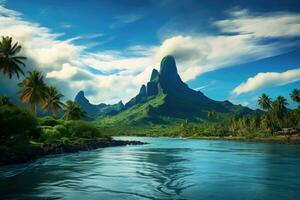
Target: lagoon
(166, 168)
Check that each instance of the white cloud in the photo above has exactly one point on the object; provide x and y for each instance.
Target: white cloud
(41, 46)
(122, 72)
(268, 25)
(66, 72)
(267, 79)
(206, 86)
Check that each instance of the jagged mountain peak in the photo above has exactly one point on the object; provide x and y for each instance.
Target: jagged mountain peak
(168, 66)
(175, 98)
(154, 75)
(80, 93)
(120, 103)
(80, 98)
(169, 79)
(97, 109)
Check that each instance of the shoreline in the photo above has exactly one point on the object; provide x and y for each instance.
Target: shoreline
(35, 152)
(294, 139)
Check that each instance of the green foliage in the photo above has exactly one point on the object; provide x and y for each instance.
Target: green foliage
(48, 121)
(83, 129)
(185, 128)
(70, 131)
(137, 115)
(50, 134)
(17, 122)
(295, 95)
(33, 89)
(53, 100)
(4, 100)
(73, 111)
(10, 62)
(264, 102)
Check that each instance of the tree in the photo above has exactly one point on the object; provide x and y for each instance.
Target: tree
(280, 104)
(264, 102)
(73, 111)
(211, 114)
(10, 63)
(33, 90)
(295, 95)
(5, 100)
(185, 128)
(267, 124)
(17, 122)
(53, 101)
(279, 111)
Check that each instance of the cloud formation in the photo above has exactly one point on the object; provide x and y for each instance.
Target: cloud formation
(68, 66)
(276, 24)
(267, 79)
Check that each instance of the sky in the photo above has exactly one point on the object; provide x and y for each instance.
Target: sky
(230, 51)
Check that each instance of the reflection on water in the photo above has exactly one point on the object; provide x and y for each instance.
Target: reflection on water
(164, 166)
(164, 169)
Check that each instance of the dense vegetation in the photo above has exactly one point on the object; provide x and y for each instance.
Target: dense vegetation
(20, 127)
(269, 123)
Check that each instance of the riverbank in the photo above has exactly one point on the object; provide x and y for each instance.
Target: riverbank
(276, 139)
(12, 156)
(295, 139)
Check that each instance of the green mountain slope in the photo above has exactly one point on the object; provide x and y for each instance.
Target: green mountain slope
(166, 99)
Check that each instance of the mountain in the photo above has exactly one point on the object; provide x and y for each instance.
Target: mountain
(97, 110)
(166, 99)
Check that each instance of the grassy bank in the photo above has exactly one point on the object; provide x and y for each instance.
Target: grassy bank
(295, 139)
(25, 137)
(213, 131)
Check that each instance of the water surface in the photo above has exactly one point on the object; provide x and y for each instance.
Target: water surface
(167, 168)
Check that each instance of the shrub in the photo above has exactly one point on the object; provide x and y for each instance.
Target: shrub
(63, 130)
(49, 133)
(83, 129)
(17, 122)
(48, 121)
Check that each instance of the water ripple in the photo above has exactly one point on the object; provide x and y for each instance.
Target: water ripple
(164, 169)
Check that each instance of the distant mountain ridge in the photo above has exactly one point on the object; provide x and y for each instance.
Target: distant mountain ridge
(99, 109)
(166, 96)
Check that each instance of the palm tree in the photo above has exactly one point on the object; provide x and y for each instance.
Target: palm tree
(280, 104)
(53, 101)
(10, 63)
(264, 101)
(279, 111)
(5, 100)
(295, 95)
(33, 90)
(73, 111)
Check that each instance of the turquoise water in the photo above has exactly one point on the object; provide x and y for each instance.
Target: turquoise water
(165, 169)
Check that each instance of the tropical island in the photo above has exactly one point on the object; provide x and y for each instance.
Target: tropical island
(43, 124)
(150, 100)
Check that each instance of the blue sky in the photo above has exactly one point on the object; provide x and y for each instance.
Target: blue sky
(234, 50)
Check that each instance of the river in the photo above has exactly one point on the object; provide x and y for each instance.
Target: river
(167, 168)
